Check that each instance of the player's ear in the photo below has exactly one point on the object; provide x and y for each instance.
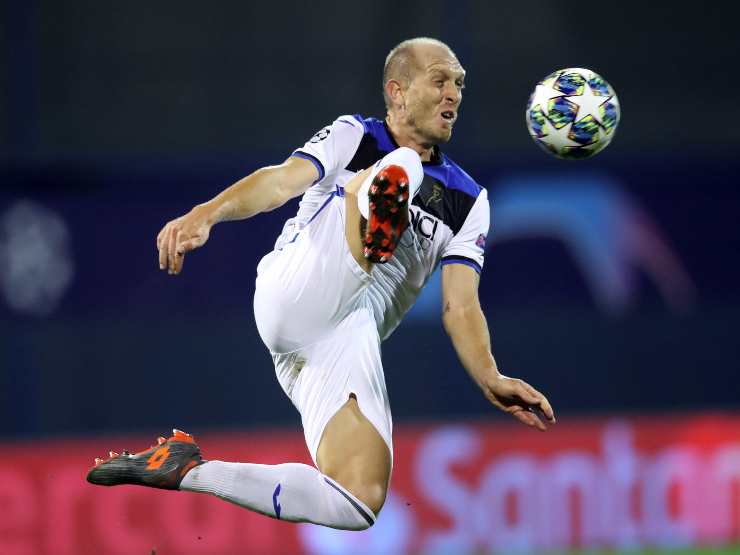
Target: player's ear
(394, 90)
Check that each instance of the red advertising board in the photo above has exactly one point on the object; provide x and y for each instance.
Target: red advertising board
(672, 480)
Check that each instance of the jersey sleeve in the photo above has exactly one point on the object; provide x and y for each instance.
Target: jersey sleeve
(332, 148)
(469, 244)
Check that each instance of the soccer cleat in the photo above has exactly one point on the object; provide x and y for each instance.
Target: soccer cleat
(161, 466)
(388, 217)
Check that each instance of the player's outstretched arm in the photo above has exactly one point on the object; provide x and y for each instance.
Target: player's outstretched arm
(466, 325)
(262, 191)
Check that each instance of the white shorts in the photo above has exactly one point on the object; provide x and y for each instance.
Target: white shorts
(313, 313)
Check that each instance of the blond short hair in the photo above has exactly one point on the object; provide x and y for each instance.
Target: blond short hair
(400, 62)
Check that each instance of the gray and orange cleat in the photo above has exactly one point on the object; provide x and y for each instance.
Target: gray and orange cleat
(388, 217)
(161, 466)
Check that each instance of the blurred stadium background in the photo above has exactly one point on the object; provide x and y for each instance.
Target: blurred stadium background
(611, 284)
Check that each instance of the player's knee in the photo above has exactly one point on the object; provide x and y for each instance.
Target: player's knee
(371, 494)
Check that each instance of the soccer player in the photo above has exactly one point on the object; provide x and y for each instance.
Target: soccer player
(382, 208)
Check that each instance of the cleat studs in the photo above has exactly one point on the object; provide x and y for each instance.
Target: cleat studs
(112, 454)
(184, 437)
(125, 453)
(161, 440)
(98, 461)
(179, 435)
(382, 259)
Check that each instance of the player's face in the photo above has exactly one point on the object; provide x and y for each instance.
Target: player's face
(434, 95)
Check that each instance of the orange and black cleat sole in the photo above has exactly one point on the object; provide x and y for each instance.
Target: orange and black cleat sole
(388, 217)
(161, 466)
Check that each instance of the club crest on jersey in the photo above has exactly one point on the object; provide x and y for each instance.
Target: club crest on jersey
(321, 135)
(436, 195)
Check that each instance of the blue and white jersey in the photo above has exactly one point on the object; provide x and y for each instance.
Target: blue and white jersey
(449, 214)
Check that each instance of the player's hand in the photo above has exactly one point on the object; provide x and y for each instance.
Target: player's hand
(519, 399)
(181, 236)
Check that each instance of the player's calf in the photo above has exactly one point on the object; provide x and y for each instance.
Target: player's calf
(292, 492)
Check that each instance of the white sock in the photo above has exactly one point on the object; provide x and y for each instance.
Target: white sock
(293, 492)
(403, 156)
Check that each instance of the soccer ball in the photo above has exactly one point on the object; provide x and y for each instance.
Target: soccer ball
(573, 113)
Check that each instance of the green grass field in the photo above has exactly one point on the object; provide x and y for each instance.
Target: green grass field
(730, 550)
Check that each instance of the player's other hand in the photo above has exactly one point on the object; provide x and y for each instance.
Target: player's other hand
(521, 400)
(181, 236)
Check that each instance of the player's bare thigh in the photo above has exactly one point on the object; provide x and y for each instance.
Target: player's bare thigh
(353, 453)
